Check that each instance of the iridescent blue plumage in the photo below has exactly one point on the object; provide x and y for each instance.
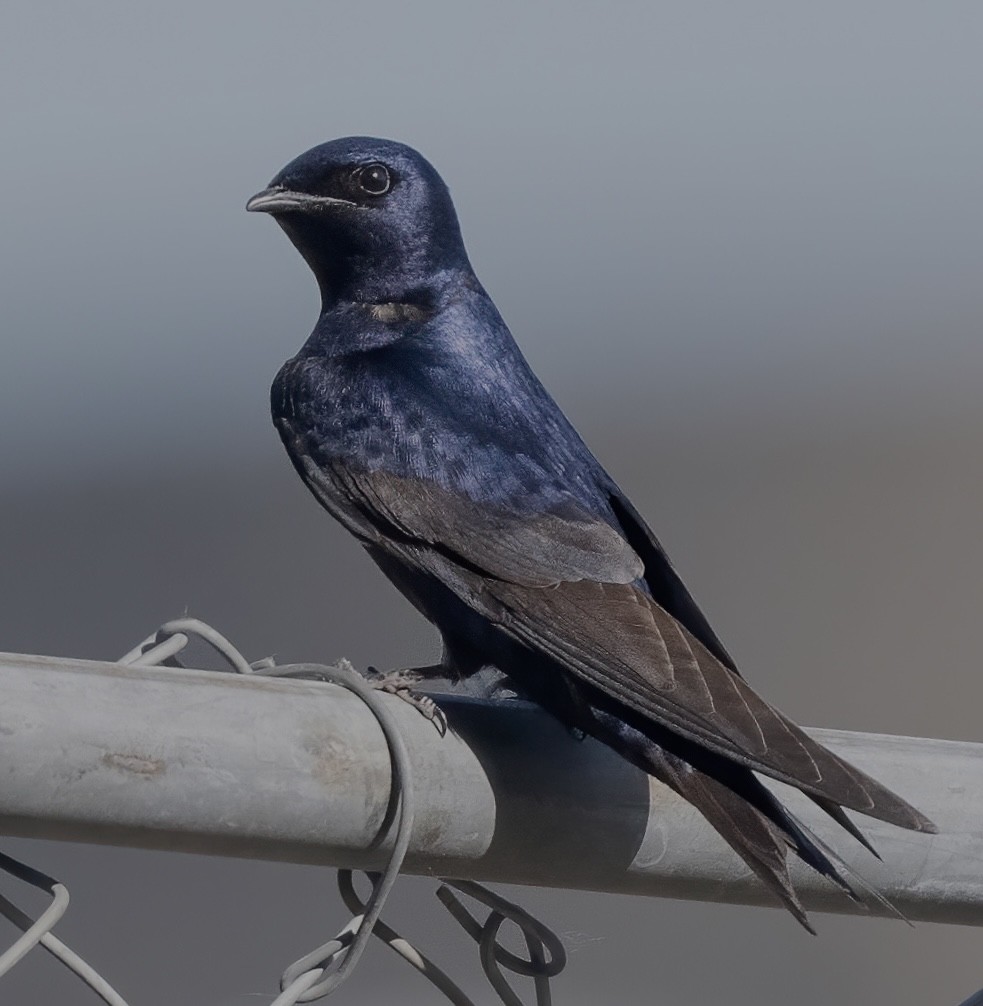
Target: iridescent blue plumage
(415, 420)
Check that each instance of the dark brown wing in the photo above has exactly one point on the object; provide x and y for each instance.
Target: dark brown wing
(671, 594)
(537, 551)
(563, 586)
(663, 581)
(621, 641)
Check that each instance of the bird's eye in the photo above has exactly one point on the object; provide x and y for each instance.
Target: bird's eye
(374, 179)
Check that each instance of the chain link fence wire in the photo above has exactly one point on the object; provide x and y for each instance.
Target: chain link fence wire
(38, 931)
(322, 971)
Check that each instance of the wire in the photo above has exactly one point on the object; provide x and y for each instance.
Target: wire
(37, 931)
(324, 969)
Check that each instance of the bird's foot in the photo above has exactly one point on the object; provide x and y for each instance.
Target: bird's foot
(501, 686)
(400, 683)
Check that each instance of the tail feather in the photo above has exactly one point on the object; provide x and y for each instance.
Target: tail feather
(838, 814)
(748, 816)
(727, 811)
(758, 841)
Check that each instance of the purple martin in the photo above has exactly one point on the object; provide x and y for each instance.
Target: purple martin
(415, 421)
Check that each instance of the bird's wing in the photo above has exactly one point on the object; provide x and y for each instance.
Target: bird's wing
(671, 594)
(542, 550)
(563, 585)
(663, 581)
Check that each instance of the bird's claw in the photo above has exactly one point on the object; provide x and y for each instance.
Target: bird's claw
(399, 683)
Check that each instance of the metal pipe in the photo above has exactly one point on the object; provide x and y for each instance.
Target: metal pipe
(298, 771)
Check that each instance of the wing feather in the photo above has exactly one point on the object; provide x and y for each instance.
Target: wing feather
(532, 551)
(565, 585)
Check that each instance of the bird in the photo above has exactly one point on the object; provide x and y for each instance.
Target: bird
(416, 422)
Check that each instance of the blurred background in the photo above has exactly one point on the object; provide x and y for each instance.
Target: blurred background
(741, 243)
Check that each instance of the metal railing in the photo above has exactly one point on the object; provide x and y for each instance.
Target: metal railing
(266, 763)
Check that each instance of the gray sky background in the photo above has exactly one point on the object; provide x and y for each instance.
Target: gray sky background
(741, 243)
(710, 208)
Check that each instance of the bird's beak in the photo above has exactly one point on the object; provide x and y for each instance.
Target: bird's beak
(277, 199)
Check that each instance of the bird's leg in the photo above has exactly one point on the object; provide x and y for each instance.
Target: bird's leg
(575, 710)
(501, 686)
(400, 683)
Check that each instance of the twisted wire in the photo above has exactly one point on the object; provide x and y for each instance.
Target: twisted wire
(37, 932)
(322, 971)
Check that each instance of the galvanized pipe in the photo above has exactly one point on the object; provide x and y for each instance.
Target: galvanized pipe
(298, 771)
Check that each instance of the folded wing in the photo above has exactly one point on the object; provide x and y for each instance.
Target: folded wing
(566, 585)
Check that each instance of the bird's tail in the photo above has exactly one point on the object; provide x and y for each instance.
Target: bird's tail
(761, 836)
(751, 819)
(761, 833)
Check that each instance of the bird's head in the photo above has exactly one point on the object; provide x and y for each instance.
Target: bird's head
(372, 218)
